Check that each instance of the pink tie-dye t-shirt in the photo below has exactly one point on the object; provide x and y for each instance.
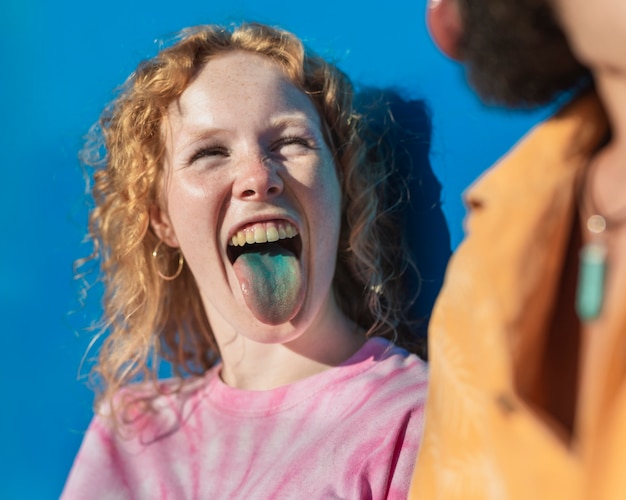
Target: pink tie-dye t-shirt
(351, 432)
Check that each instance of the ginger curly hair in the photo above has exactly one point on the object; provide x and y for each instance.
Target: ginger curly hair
(147, 319)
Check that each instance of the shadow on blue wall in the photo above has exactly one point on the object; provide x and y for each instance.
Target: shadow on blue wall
(401, 128)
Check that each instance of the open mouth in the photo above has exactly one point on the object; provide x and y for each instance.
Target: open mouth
(265, 238)
(266, 262)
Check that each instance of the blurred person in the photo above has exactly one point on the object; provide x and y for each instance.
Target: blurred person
(528, 337)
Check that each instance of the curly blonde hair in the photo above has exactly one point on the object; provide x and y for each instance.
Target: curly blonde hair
(148, 319)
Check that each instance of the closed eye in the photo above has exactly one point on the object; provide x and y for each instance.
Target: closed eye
(293, 145)
(208, 152)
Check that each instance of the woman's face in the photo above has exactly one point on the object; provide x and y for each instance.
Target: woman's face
(251, 197)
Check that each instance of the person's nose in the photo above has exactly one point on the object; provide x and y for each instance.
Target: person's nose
(257, 179)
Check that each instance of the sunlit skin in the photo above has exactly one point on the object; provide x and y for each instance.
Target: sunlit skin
(244, 148)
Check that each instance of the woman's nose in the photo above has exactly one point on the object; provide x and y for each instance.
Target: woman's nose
(257, 179)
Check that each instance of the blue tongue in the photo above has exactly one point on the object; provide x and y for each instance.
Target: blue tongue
(271, 282)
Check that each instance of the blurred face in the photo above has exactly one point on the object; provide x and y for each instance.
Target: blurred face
(251, 198)
(596, 31)
(515, 52)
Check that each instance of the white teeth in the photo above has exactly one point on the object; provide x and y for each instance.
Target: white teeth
(272, 234)
(263, 233)
(241, 239)
(260, 235)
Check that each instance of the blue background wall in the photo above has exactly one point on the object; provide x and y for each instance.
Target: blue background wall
(60, 62)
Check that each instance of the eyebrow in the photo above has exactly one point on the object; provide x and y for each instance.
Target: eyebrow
(280, 122)
(293, 120)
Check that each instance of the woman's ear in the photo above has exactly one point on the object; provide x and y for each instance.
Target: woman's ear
(162, 226)
(445, 26)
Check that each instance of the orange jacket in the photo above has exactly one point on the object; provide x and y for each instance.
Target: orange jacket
(488, 334)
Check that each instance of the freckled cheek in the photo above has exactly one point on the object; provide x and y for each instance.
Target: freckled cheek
(192, 207)
(331, 200)
(323, 181)
(326, 200)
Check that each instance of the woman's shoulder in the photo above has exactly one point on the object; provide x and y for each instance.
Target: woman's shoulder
(152, 408)
(384, 352)
(389, 371)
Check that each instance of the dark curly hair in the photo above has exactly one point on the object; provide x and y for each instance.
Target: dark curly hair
(516, 53)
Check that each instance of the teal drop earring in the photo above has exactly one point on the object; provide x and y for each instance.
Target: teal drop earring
(592, 271)
(594, 256)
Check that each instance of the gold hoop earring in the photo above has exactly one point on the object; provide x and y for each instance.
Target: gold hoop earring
(181, 261)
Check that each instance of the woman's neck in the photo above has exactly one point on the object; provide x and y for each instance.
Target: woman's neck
(328, 341)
